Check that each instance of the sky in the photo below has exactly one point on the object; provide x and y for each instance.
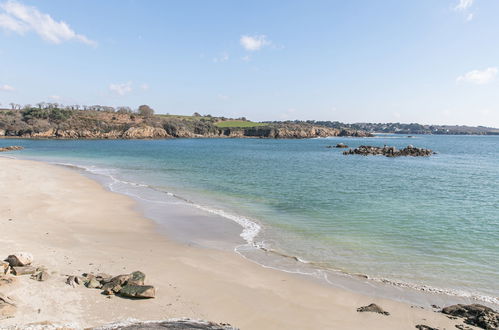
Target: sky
(425, 61)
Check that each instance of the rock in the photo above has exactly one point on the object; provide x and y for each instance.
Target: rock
(329, 147)
(138, 291)
(176, 324)
(121, 279)
(103, 277)
(341, 145)
(372, 308)
(26, 270)
(4, 267)
(7, 307)
(137, 278)
(40, 276)
(111, 288)
(424, 327)
(475, 314)
(20, 259)
(93, 284)
(11, 148)
(389, 151)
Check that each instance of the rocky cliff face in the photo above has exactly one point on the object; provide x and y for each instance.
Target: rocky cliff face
(148, 132)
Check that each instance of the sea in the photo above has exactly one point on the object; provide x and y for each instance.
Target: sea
(422, 224)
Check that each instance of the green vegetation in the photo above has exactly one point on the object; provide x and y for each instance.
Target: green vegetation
(238, 123)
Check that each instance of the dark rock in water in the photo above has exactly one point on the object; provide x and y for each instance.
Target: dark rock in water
(329, 147)
(11, 148)
(341, 145)
(138, 291)
(26, 270)
(390, 151)
(475, 314)
(181, 324)
(372, 308)
(424, 327)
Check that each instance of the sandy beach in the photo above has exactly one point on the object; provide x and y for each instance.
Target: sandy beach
(72, 225)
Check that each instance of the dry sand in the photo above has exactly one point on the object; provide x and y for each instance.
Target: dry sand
(71, 225)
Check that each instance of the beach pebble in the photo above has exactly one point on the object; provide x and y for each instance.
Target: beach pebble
(40, 276)
(4, 267)
(20, 259)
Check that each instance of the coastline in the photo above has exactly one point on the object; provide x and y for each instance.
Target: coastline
(72, 224)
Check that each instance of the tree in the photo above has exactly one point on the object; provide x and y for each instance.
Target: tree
(123, 109)
(145, 110)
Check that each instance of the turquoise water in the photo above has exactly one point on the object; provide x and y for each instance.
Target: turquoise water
(422, 222)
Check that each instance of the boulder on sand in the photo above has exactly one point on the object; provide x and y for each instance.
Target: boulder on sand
(372, 308)
(26, 270)
(475, 314)
(20, 259)
(138, 291)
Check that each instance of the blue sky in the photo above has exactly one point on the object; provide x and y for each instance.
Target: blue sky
(424, 61)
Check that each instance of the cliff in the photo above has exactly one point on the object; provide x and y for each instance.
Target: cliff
(86, 124)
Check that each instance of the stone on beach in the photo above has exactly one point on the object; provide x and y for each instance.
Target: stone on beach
(176, 324)
(25, 270)
(4, 267)
(475, 314)
(20, 259)
(40, 276)
(138, 291)
(372, 308)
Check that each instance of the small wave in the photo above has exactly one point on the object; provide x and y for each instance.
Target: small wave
(250, 228)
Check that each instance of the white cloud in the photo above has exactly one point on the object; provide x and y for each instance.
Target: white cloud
(464, 4)
(469, 17)
(7, 88)
(479, 77)
(254, 43)
(121, 89)
(20, 18)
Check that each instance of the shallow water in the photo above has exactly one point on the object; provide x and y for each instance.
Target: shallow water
(422, 222)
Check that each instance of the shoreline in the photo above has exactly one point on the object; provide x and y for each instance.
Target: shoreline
(191, 281)
(413, 293)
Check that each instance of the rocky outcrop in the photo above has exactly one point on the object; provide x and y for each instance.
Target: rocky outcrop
(175, 324)
(372, 308)
(126, 285)
(389, 151)
(478, 315)
(11, 148)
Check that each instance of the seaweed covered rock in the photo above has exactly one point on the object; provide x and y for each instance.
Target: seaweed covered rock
(390, 151)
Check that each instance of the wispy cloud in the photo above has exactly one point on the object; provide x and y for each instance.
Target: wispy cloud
(254, 43)
(7, 88)
(479, 77)
(144, 86)
(464, 6)
(121, 89)
(19, 18)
